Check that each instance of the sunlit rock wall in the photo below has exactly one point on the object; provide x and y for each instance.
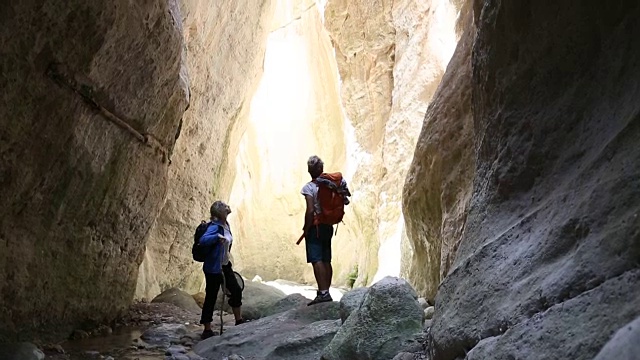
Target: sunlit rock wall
(391, 56)
(224, 53)
(294, 113)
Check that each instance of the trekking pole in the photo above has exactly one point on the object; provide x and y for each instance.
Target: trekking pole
(224, 289)
(300, 240)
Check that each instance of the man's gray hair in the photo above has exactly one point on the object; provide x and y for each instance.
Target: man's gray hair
(218, 209)
(314, 162)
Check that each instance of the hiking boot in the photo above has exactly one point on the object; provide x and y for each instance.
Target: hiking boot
(241, 321)
(207, 334)
(320, 299)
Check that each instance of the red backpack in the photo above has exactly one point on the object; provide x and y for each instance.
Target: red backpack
(331, 201)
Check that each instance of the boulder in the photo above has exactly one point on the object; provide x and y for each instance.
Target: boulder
(20, 351)
(298, 334)
(385, 324)
(165, 334)
(234, 357)
(351, 301)
(199, 298)
(405, 356)
(290, 302)
(625, 343)
(428, 312)
(257, 300)
(176, 350)
(178, 298)
(423, 302)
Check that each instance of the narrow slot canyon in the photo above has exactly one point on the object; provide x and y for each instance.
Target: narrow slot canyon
(490, 148)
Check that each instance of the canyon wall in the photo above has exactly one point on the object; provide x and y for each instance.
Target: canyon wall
(91, 103)
(547, 265)
(363, 36)
(391, 56)
(439, 182)
(294, 113)
(225, 44)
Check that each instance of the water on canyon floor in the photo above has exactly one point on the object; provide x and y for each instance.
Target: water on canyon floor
(125, 341)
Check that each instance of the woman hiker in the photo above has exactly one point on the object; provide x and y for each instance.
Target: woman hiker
(217, 265)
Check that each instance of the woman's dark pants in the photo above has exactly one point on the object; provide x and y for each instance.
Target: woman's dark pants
(214, 282)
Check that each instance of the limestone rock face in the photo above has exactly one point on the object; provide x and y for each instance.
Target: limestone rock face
(294, 113)
(424, 42)
(363, 36)
(439, 182)
(551, 239)
(91, 102)
(391, 56)
(224, 53)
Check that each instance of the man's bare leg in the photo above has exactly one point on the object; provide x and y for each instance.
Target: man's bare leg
(322, 272)
(329, 274)
(319, 271)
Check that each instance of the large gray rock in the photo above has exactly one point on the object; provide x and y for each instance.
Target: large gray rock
(258, 300)
(20, 351)
(297, 334)
(351, 301)
(624, 345)
(405, 356)
(559, 333)
(289, 302)
(165, 334)
(548, 262)
(383, 326)
(178, 298)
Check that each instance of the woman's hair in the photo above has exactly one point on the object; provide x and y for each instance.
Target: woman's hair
(218, 209)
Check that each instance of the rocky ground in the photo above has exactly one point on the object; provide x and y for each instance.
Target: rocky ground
(383, 322)
(147, 331)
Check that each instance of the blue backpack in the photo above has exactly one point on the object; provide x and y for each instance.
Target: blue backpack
(200, 252)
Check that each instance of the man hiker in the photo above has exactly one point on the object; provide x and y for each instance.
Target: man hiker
(325, 195)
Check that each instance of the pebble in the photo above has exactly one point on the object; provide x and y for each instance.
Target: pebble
(428, 312)
(423, 302)
(176, 350)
